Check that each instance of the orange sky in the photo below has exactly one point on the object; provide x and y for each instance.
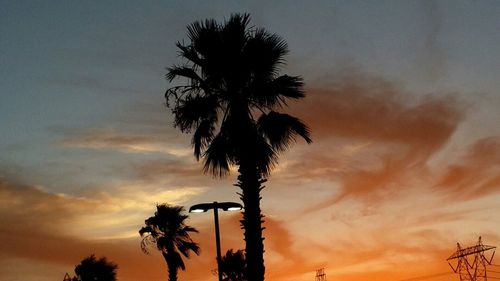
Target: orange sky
(405, 159)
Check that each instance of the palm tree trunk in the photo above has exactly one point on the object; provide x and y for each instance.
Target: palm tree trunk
(171, 266)
(250, 182)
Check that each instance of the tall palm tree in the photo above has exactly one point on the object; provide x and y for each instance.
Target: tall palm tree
(229, 104)
(168, 232)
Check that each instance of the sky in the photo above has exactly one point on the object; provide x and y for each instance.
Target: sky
(402, 99)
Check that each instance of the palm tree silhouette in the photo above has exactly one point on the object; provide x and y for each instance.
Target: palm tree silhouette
(230, 103)
(233, 266)
(93, 269)
(169, 233)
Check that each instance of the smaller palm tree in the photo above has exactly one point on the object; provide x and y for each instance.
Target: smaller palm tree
(234, 266)
(168, 232)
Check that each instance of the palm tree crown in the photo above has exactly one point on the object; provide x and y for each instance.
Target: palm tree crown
(233, 266)
(230, 105)
(234, 87)
(168, 232)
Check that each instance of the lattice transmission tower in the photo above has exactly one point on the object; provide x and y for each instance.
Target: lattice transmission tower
(470, 263)
(320, 274)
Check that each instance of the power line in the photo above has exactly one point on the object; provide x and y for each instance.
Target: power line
(427, 276)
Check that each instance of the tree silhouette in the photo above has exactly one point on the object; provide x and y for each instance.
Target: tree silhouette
(233, 266)
(93, 269)
(168, 232)
(229, 104)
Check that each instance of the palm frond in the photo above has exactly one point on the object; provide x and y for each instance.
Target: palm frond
(288, 86)
(264, 155)
(192, 110)
(146, 242)
(200, 29)
(217, 156)
(183, 71)
(205, 37)
(233, 32)
(275, 93)
(202, 136)
(280, 129)
(188, 229)
(185, 247)
(179, 261)
(188, 52)
(264, 54)
(175, 259)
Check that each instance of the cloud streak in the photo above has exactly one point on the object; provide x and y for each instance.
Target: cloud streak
(110, 139)
(476, 173)
(371, 136)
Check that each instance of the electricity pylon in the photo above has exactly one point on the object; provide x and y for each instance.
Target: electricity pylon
(320, 274)
(471, 262)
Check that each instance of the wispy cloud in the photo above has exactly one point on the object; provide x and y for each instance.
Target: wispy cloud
(104, 214)
(187, 170)
(474, 174)
(370, 136)
(111, 139)
(364, 107)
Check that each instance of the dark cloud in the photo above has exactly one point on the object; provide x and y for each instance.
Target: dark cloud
(370, 135)
(372, 109)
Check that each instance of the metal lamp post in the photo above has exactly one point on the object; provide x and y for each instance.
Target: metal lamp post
(225, 206)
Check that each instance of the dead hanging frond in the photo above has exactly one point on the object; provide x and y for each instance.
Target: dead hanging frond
(146, 242)
(176, 93)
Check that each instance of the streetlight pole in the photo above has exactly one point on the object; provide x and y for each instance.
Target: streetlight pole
(217, 240)
(225, 206)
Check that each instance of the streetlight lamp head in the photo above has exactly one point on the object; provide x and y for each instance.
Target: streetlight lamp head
(225, 206)
(230, 206)
(197, 211)
(234, 208)
(200, 208)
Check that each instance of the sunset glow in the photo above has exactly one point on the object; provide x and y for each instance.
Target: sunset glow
(403, 102)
